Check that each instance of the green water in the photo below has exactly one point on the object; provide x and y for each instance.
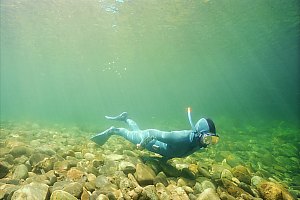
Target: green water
(73, 62)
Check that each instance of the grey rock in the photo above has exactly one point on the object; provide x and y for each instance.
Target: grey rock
(226, 174)
(32, 191)
(17, 151)
(104, 184)
(20, 172)
(208, 194)
(204, 172)
(177, 192)
(62, 195)
(35, 143)
(162, 192)
(256, 180)
(45, 150)
(20, 160)
(3, 169)
(149, 192)
(126, 186)
(8, 158)
(161, 178)
(170, 170)
(127, 167)
(116, 157)
(7, 190)
(89, 156)
(74, 189)
(102, 197)
(78, 155)
(60, 185)
(207, 184)
(90, 186)
(36, 158)
(242, 173)
(144, 174)
(61, 165)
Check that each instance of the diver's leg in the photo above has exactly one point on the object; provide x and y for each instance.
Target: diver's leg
(124, 118)
(132, 125)
(102, 137)
(133, 136)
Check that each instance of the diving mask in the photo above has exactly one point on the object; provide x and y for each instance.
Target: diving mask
(209, 138)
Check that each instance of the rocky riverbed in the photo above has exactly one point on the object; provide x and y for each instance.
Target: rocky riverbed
(58, 163)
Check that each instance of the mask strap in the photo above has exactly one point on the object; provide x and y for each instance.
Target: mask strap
(190, 119)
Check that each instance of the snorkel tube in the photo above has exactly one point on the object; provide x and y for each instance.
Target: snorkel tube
(190, 119)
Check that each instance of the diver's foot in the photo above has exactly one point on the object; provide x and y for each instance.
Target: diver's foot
(102, 137)
(122, 117)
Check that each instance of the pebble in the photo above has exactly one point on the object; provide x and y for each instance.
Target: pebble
(36, 158)
(161, 178)
(61, 165)
(177, 192)
(45, 150)
(74, 174)
(208, 194)
(89, 156)
(127, 167)
(207, 184)
(61, 195)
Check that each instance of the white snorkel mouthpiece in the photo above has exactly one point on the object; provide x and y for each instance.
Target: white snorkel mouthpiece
(190, 119)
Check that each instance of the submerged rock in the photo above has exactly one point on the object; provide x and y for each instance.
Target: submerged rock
(273, 191)
(21, 172)
(162, 192)
(74, 174)
(62, 195)
(17, 151)
(144, 174)
(127, 167)
(3, 169)
(209, 194)
(242, 173)
(32, 191)
(75, 189)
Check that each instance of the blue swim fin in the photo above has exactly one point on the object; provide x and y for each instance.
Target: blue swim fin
(101, 138)
(122, 117)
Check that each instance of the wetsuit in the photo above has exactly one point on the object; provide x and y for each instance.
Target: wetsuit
(168, 144)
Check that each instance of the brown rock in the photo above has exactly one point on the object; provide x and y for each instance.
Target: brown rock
(242, 173)
(74, 174)
(273, 191)
(144, 174)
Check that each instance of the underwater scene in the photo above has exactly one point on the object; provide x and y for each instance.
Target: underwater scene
(157, 99)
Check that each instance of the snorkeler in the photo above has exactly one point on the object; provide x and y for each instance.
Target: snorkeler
(168, 144)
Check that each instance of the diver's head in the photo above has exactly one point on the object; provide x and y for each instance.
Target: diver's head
(207, 129)
(205, 125)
